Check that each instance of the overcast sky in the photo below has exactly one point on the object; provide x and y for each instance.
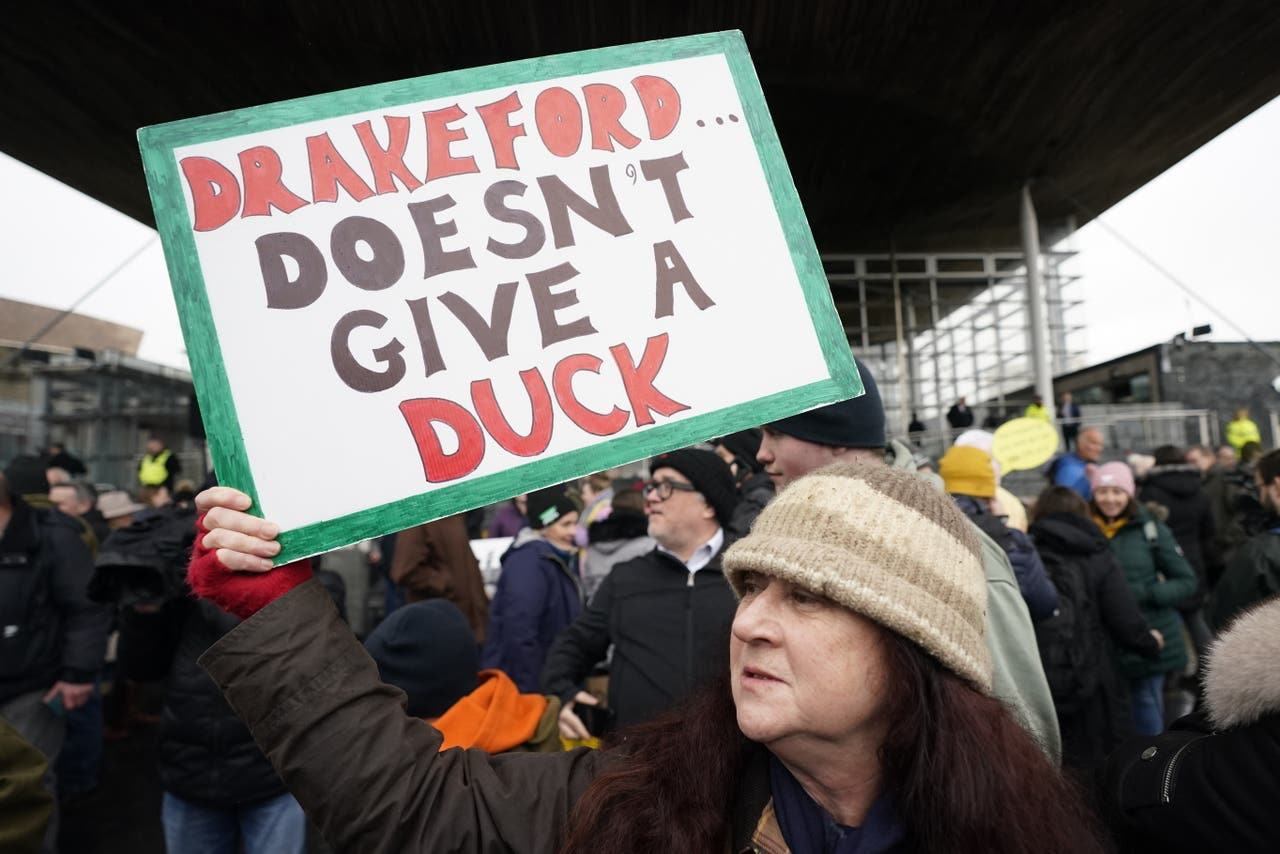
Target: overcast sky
(1212, 220)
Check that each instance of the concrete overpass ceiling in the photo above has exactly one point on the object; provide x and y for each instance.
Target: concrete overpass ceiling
(910, 121)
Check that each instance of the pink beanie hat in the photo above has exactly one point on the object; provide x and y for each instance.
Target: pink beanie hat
(1115, 474)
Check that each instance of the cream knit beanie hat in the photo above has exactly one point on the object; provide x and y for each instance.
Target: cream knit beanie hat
(886, 544)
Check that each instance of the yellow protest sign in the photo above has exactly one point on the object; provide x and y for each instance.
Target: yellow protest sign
(1024, 443)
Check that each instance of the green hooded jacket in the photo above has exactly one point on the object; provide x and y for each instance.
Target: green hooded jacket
(1160, 577)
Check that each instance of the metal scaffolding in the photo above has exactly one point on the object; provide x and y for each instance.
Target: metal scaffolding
(937, 327)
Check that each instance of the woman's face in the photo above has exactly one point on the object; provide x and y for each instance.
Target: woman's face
(1111, 500)
(560, 532)
(806, 672)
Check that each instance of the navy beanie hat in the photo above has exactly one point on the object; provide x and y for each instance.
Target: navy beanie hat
(709, 475)
(545, 506)
(854, 423)
(428, 651)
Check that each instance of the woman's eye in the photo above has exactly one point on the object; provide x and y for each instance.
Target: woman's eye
(804, 597)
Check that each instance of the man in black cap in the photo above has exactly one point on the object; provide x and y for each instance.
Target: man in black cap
(854, 429)
(667, 613)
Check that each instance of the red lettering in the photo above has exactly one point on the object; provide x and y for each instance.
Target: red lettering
(440, 161)
(661, 104)
(559, 120)
(595, 423)
(539, 435)
(502, 134)
(214, 192)
(436, 464)
(263, 188)
(328, 170)
(605, 105)
(638, 380)
(388, 163)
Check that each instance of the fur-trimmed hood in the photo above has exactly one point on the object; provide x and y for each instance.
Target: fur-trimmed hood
(1243, 681)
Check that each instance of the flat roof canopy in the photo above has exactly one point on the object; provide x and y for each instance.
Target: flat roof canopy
(905, 120)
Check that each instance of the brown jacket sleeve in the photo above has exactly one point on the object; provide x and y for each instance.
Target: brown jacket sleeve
(366, 773)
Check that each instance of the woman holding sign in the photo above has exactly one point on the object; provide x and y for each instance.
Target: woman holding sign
(856, 713)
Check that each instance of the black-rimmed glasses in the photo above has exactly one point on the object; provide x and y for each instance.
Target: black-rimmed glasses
(664, 488)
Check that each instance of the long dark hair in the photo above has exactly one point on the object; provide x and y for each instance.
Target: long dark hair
(671, 784)
(964, 774)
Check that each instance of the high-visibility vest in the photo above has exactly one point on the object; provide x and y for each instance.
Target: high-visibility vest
(1241, 433)
(153, 470)
(1033, 411)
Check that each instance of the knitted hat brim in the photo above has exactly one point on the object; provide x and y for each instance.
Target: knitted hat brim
(885, 544)
(865, 589)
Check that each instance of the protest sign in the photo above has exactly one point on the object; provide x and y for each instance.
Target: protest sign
(1024, 443)
(410, 299)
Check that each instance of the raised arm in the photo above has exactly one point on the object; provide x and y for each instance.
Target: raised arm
(370, 776)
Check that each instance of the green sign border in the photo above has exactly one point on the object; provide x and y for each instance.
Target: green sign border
(226, 443)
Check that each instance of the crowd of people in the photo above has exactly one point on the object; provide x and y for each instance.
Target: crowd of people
(793, 638)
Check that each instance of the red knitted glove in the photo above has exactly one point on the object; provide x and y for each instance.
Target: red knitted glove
(239, 593)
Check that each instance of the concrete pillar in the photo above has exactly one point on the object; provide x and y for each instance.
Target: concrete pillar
(1038, 318)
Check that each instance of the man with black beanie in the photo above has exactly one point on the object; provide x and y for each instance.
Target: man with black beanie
(666, 613)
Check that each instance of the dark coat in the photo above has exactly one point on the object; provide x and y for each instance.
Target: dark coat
(959, 418)
(1180, 490)
(1160, 577)
(1070, 543)
(1033, 583)
(1252, 576)
(1228, 532)
(51, 630)
(370, 776)
(1209, 783)
(538, 595)
(754, 493)
(206, 753)
(73, 466)
(669, 632)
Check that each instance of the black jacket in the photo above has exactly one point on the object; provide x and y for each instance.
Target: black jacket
(206, 753)
(1071, 543)
(1069, 537)
(1209, 783)
(1252, 576)
(669, 630)
(49, 630)
(755, 492)
(1180, 489)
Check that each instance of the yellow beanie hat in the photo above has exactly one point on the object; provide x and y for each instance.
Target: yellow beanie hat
(968, 471)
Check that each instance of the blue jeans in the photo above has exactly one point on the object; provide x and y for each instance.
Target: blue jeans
(266, 827)
(1148, 704)
(81, 755)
